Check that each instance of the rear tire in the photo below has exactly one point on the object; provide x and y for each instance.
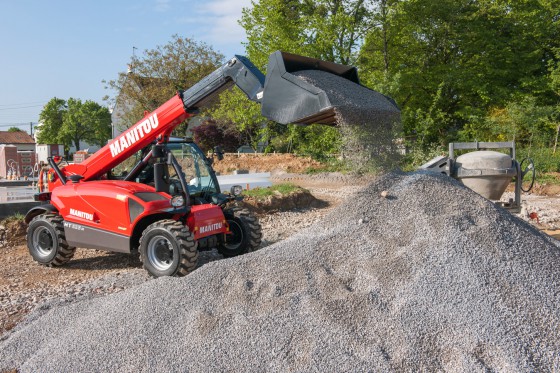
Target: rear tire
(168, 248)
(46, 240)
(246, 233)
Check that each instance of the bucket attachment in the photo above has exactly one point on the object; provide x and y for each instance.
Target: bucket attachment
(288, 98)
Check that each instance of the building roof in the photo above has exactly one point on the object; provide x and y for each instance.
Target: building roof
(18, 137)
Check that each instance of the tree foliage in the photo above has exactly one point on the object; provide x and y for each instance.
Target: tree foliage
(157, 75)
(210, 134)
(14, 129)
(329, 30)
(452, 63)
(324, 29)
(459, 69)
(72, 121)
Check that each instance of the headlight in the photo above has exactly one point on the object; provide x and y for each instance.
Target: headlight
(236, 190)
(177, 201)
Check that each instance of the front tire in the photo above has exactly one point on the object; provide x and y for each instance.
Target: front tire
(46, 240)
(246, 233)
(168, 248)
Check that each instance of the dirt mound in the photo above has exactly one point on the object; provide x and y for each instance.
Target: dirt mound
(299, 199)
(12, 232)
(428, 276)
(265, 163)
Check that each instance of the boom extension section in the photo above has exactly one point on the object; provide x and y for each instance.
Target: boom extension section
(239, 71)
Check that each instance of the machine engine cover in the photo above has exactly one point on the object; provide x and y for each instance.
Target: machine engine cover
(206, 220)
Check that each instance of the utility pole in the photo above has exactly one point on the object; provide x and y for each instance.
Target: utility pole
(31, 129)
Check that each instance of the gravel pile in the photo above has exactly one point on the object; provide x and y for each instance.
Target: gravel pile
(369, 121)
(430, 277)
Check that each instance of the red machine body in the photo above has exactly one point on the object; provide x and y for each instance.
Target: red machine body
(105, 214)
(157, 125)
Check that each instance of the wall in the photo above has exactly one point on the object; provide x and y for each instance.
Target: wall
(7, 152)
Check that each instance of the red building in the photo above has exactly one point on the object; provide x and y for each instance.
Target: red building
(17, 153)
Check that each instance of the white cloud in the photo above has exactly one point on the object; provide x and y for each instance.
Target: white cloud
(216, 23)
(225, 7)
(162, 5)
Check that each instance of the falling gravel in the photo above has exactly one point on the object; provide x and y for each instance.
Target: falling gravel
(414, 273)
(369, 121)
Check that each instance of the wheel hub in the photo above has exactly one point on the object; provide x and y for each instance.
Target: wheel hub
(234, 239)
(160, 253)
(163, 253)
(43, 241)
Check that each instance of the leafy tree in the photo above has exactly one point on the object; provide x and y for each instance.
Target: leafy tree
(328, 30)
(244, 116)
(72, 121)
(523, 121)
(51, 120)
(450, 63)
(155, 77)
(14, 129)
(210, 134)
(324, 29)
(317, 140)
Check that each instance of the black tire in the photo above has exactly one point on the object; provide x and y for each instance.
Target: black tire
(46, 240)
(246, 233)
(168, 248)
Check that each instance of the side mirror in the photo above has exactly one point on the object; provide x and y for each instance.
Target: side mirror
(218, 151)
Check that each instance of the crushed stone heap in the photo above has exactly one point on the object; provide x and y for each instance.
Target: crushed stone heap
(431, 277)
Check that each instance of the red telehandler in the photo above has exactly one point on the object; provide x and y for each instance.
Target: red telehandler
(166, 213)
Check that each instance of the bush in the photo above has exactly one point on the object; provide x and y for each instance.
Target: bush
(545, 160)
(261, 193)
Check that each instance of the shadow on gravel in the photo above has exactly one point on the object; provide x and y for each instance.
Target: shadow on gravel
(106, 261)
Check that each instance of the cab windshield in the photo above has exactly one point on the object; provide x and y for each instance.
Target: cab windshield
(196, 172)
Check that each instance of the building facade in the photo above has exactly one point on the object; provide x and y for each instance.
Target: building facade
(17, 154)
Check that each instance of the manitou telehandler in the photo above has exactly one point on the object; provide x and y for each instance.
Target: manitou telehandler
(157, 208)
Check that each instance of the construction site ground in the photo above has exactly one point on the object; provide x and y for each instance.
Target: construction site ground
(24, 284)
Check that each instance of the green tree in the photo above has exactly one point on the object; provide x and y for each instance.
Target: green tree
(72, 121)
(324, 29)
(328, 30)
(14, 129)
(450, 63)
(157, 75)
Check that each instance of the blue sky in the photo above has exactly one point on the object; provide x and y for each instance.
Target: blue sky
(65, 48)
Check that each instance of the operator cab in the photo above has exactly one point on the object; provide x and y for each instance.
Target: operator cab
(173, 167)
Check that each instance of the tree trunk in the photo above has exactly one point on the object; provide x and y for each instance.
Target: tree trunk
(556, 140)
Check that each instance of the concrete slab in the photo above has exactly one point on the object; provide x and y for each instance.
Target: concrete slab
(17, 194)
(12, 208)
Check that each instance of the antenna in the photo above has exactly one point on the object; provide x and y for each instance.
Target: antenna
(131, 65)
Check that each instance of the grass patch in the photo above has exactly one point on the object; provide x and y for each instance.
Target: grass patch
(15, 217)
(551, 178)
(262, 193)
(330, 165)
